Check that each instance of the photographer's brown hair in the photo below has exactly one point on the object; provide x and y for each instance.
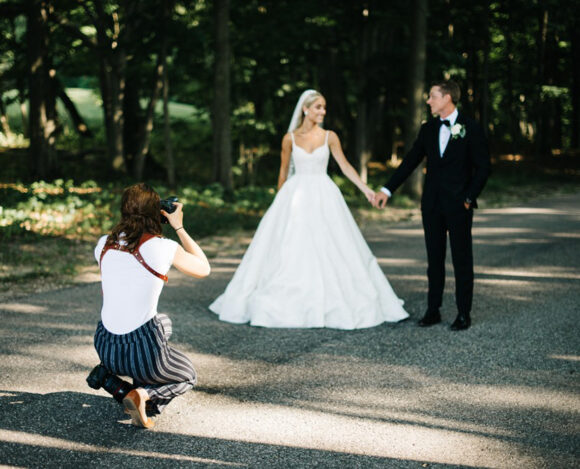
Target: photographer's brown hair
(140, 206)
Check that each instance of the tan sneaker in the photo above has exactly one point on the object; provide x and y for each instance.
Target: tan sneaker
(135, 407)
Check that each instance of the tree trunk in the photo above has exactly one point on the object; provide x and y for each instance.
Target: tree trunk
(170, 164)
(78, 121)
(112, 76)
(540, 80)
(158, 86)
(24, 114)
(4, 120)
(112, 83)
(363, 155)
(145, 133)
(484, 91)
(575, 33)
(41, 127)
(360, 130)
(369, 102)
(510, 103)
(415, 90)
(132, 118)
(222, 153)
(332, 82)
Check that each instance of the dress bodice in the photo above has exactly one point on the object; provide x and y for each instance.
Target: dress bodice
(314, 162)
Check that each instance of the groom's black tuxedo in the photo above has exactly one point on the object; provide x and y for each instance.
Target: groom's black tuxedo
(461, 172)
(451, 179)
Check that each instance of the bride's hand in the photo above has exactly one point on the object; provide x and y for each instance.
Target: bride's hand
(370, 195)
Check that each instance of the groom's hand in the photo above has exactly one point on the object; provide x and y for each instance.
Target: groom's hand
(380, 200)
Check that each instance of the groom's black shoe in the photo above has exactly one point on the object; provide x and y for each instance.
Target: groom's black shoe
(462, 322)
(430, 318)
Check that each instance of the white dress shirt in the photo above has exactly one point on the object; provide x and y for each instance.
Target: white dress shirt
(445, 132)
(444, 135)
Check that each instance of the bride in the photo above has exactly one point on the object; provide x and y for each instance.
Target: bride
(308, 264)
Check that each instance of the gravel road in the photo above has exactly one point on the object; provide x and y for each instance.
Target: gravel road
(504, 393)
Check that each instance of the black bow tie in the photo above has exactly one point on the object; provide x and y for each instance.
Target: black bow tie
(446, 123)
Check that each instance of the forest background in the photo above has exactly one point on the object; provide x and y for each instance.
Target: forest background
(195, 96)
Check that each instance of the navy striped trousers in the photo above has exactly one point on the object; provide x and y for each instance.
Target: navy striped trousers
(145, 356)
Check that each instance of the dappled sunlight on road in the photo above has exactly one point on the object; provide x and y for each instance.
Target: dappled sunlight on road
(225, 264)
(498, 230)
(528, 211)
(571, 358)
(23, 308)
(360, 430)
(398, 262)
(540, 272)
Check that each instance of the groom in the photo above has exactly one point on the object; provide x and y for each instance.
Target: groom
(457, 165)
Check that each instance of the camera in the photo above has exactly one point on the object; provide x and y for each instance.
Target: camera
(167, 205)
(100, 377)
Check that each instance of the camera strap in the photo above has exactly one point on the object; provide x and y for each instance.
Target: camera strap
(136, 253)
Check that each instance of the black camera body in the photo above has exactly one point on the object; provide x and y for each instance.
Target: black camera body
(100, 377)
(167, 205)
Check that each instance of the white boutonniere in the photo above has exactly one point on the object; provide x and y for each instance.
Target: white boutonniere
(457, 131)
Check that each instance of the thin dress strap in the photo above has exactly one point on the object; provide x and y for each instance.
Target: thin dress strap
(292, 135)
(326, 138)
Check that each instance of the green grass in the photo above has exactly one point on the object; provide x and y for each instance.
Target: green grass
(89, 105)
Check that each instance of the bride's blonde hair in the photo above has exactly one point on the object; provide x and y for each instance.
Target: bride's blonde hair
(308, 101)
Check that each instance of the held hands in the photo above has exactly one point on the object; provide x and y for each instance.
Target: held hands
(370, 195)
(380, 200)
(175, 219)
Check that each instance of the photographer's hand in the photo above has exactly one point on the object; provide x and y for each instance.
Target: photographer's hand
(189, 257)
(175, 219)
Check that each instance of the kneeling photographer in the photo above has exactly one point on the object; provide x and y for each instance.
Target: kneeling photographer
(131, 338)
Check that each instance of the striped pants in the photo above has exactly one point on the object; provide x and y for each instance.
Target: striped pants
(145, 356)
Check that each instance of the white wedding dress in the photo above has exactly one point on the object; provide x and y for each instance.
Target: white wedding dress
(308, 264)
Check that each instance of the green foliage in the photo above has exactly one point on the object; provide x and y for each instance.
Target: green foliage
(354, 52)
(87, 210)
(58, 208)
(47, 229)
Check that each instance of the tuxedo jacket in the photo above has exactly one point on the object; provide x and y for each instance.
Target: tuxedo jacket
(459, 174)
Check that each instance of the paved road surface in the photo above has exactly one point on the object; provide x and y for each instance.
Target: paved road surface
(505, 393)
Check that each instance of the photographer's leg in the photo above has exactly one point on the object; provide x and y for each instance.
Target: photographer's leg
(171, 373)
(166, 325)
(177, 376)
(162, 372)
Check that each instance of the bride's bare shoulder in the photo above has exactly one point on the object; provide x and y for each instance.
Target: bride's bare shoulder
(287, 140)
(333, 137)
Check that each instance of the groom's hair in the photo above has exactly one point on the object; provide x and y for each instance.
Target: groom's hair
(449, 87)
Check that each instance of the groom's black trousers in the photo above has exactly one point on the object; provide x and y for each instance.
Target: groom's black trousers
(436, 224)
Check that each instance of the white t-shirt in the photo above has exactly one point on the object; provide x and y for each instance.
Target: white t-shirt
(130, 291)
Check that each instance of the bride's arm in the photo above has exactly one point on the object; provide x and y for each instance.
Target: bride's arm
(346, 167)
(285, 159)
